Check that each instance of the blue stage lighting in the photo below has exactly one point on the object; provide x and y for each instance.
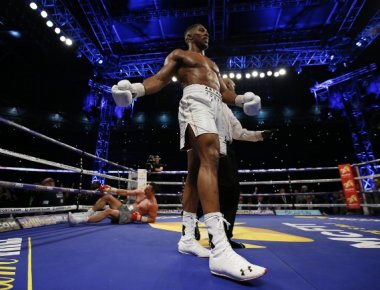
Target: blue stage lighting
(15, 33)
(119, 111)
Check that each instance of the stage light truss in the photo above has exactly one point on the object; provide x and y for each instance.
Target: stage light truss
(349, 92)
(62, 16)
(102, 143)
(264, 56)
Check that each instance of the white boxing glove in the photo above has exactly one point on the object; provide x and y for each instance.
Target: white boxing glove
(124, 92)
(121, 98)
(250, 103)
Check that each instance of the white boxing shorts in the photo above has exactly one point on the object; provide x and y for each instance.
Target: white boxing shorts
(201, 108)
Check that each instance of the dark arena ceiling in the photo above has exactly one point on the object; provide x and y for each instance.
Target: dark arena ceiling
(42, 76)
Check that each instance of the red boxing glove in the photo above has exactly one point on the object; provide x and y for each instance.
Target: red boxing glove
(105, 188)
(136, 216)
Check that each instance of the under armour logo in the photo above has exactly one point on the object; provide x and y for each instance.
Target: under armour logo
(210, 241)
(249, 268)
(183, 230)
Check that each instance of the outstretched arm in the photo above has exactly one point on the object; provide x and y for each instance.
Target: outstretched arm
(250, 103)
(124, 92)
(227, 95)
(155, 83)
(117, 191)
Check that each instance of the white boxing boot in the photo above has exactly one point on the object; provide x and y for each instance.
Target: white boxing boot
(188, 244)
(73, 220)
(223, 260)
(89, 213)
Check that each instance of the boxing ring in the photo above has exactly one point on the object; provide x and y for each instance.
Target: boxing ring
(302, 250)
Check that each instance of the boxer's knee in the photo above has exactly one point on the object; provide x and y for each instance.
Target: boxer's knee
(107, 197)
(108, 211)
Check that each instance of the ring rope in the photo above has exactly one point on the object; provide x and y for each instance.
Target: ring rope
(17, 210)
(34, 133)
(36, 187)
(271, 182)
(26, 169)
(272, 170)
(283, 205)
(161, 206)
(60, 165)
(170, 172)
(366, 162)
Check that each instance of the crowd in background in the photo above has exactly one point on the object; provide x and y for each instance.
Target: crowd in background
(281, 196)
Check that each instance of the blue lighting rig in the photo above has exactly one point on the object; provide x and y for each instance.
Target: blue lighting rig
(349, 92)
(104, 49)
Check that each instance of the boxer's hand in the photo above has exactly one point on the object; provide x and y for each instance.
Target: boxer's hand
(124, 92)
(106, 188)
(250, 103)
(121, 98)
(136, 216)
(268, 134)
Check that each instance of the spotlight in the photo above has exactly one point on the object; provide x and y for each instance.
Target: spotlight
(298, 70)
(33, 5)
(255, 74)
(262, 75)
(231, 75)
(15, 33)
(100, 61)
(44, 14)
(269, 73)
(332, 57)
(57, 30)
(247, 75)
(174, 79)
(68, 41)
(224, 76)
(49, 23)
(276, 74)
(62, 38)
(358, 44)
(282, 71)
(238, 76)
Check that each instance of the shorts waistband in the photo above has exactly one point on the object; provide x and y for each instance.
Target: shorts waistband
(201, 89)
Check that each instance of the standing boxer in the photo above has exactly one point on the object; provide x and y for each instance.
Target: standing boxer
(200, 118)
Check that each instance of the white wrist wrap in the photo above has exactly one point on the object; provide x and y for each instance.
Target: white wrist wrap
(138, 90)
(239, 100)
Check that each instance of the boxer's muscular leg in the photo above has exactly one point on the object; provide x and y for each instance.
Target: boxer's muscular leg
(199, 175)
(106, 199)
(190, 194)
(104, 214)
(206, 147)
